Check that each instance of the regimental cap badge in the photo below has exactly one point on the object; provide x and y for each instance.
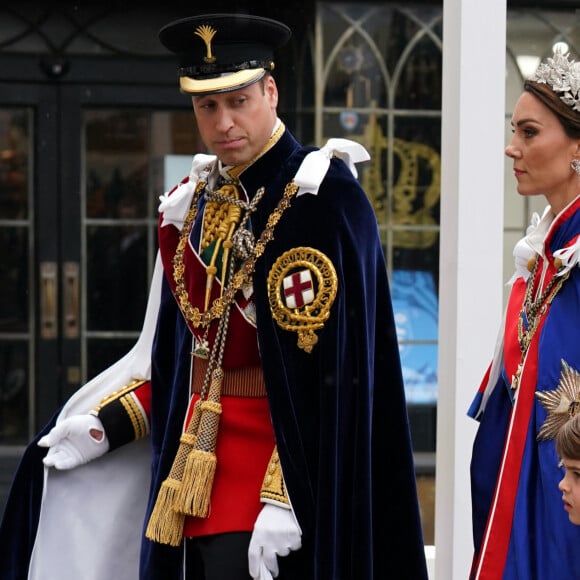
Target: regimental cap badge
(206, 33)
(302, 286)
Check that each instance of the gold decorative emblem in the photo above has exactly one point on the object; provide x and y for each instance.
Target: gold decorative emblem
(416, 191)
(206, 33)
(561, 403)
(302, 286)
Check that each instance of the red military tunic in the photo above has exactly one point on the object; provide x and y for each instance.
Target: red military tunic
(245, 438)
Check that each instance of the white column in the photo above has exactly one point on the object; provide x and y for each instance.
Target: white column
(470, 287)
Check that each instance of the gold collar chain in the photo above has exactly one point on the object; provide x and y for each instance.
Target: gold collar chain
(242, 275)
(533, 310)
(531, 314)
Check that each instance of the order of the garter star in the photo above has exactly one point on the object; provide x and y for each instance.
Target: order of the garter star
(560, 403)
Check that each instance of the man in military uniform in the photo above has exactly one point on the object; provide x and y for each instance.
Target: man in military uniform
(266, 385)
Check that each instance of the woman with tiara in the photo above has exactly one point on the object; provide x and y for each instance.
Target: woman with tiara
(520, 529)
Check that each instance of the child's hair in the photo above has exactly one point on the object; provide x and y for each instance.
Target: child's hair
(568, 439)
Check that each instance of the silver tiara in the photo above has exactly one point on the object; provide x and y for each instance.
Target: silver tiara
(563, 76)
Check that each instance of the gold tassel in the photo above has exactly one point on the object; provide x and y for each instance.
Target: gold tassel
(195, 491)
(165, 524)
(197, 480)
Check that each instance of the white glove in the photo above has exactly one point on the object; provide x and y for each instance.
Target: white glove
(74, 441)
(276, 533)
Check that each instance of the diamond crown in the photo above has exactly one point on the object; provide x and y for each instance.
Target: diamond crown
(563, 76)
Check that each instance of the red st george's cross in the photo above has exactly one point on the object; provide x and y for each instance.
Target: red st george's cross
(298, 289)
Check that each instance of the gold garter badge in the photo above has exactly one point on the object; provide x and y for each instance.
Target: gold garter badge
(302, 286)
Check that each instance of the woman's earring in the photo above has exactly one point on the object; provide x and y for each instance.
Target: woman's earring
(575, 165)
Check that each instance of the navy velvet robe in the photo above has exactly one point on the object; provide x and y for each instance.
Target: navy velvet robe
(338, 412)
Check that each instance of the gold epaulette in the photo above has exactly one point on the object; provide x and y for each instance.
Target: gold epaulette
(273, 488)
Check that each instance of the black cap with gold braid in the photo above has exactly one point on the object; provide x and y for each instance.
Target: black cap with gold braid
(223, 52)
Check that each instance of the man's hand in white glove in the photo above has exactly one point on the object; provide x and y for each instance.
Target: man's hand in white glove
(276, 533)
(74, 441)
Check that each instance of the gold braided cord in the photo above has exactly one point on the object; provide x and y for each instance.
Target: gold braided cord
(199, 470)
(187, 489)
(165, 524)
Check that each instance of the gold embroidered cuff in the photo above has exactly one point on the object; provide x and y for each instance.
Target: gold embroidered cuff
(123, 418)
(273, 488)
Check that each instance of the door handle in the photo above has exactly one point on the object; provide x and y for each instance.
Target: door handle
(70, 285)
(48, 300)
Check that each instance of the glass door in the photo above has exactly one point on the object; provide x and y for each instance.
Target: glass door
(129, 141)
(28, 178)
(16, 220)
(81, 171)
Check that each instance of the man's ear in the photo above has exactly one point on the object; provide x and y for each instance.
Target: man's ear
(272, 90)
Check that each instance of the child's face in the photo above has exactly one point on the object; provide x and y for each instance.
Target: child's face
(570, 488)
